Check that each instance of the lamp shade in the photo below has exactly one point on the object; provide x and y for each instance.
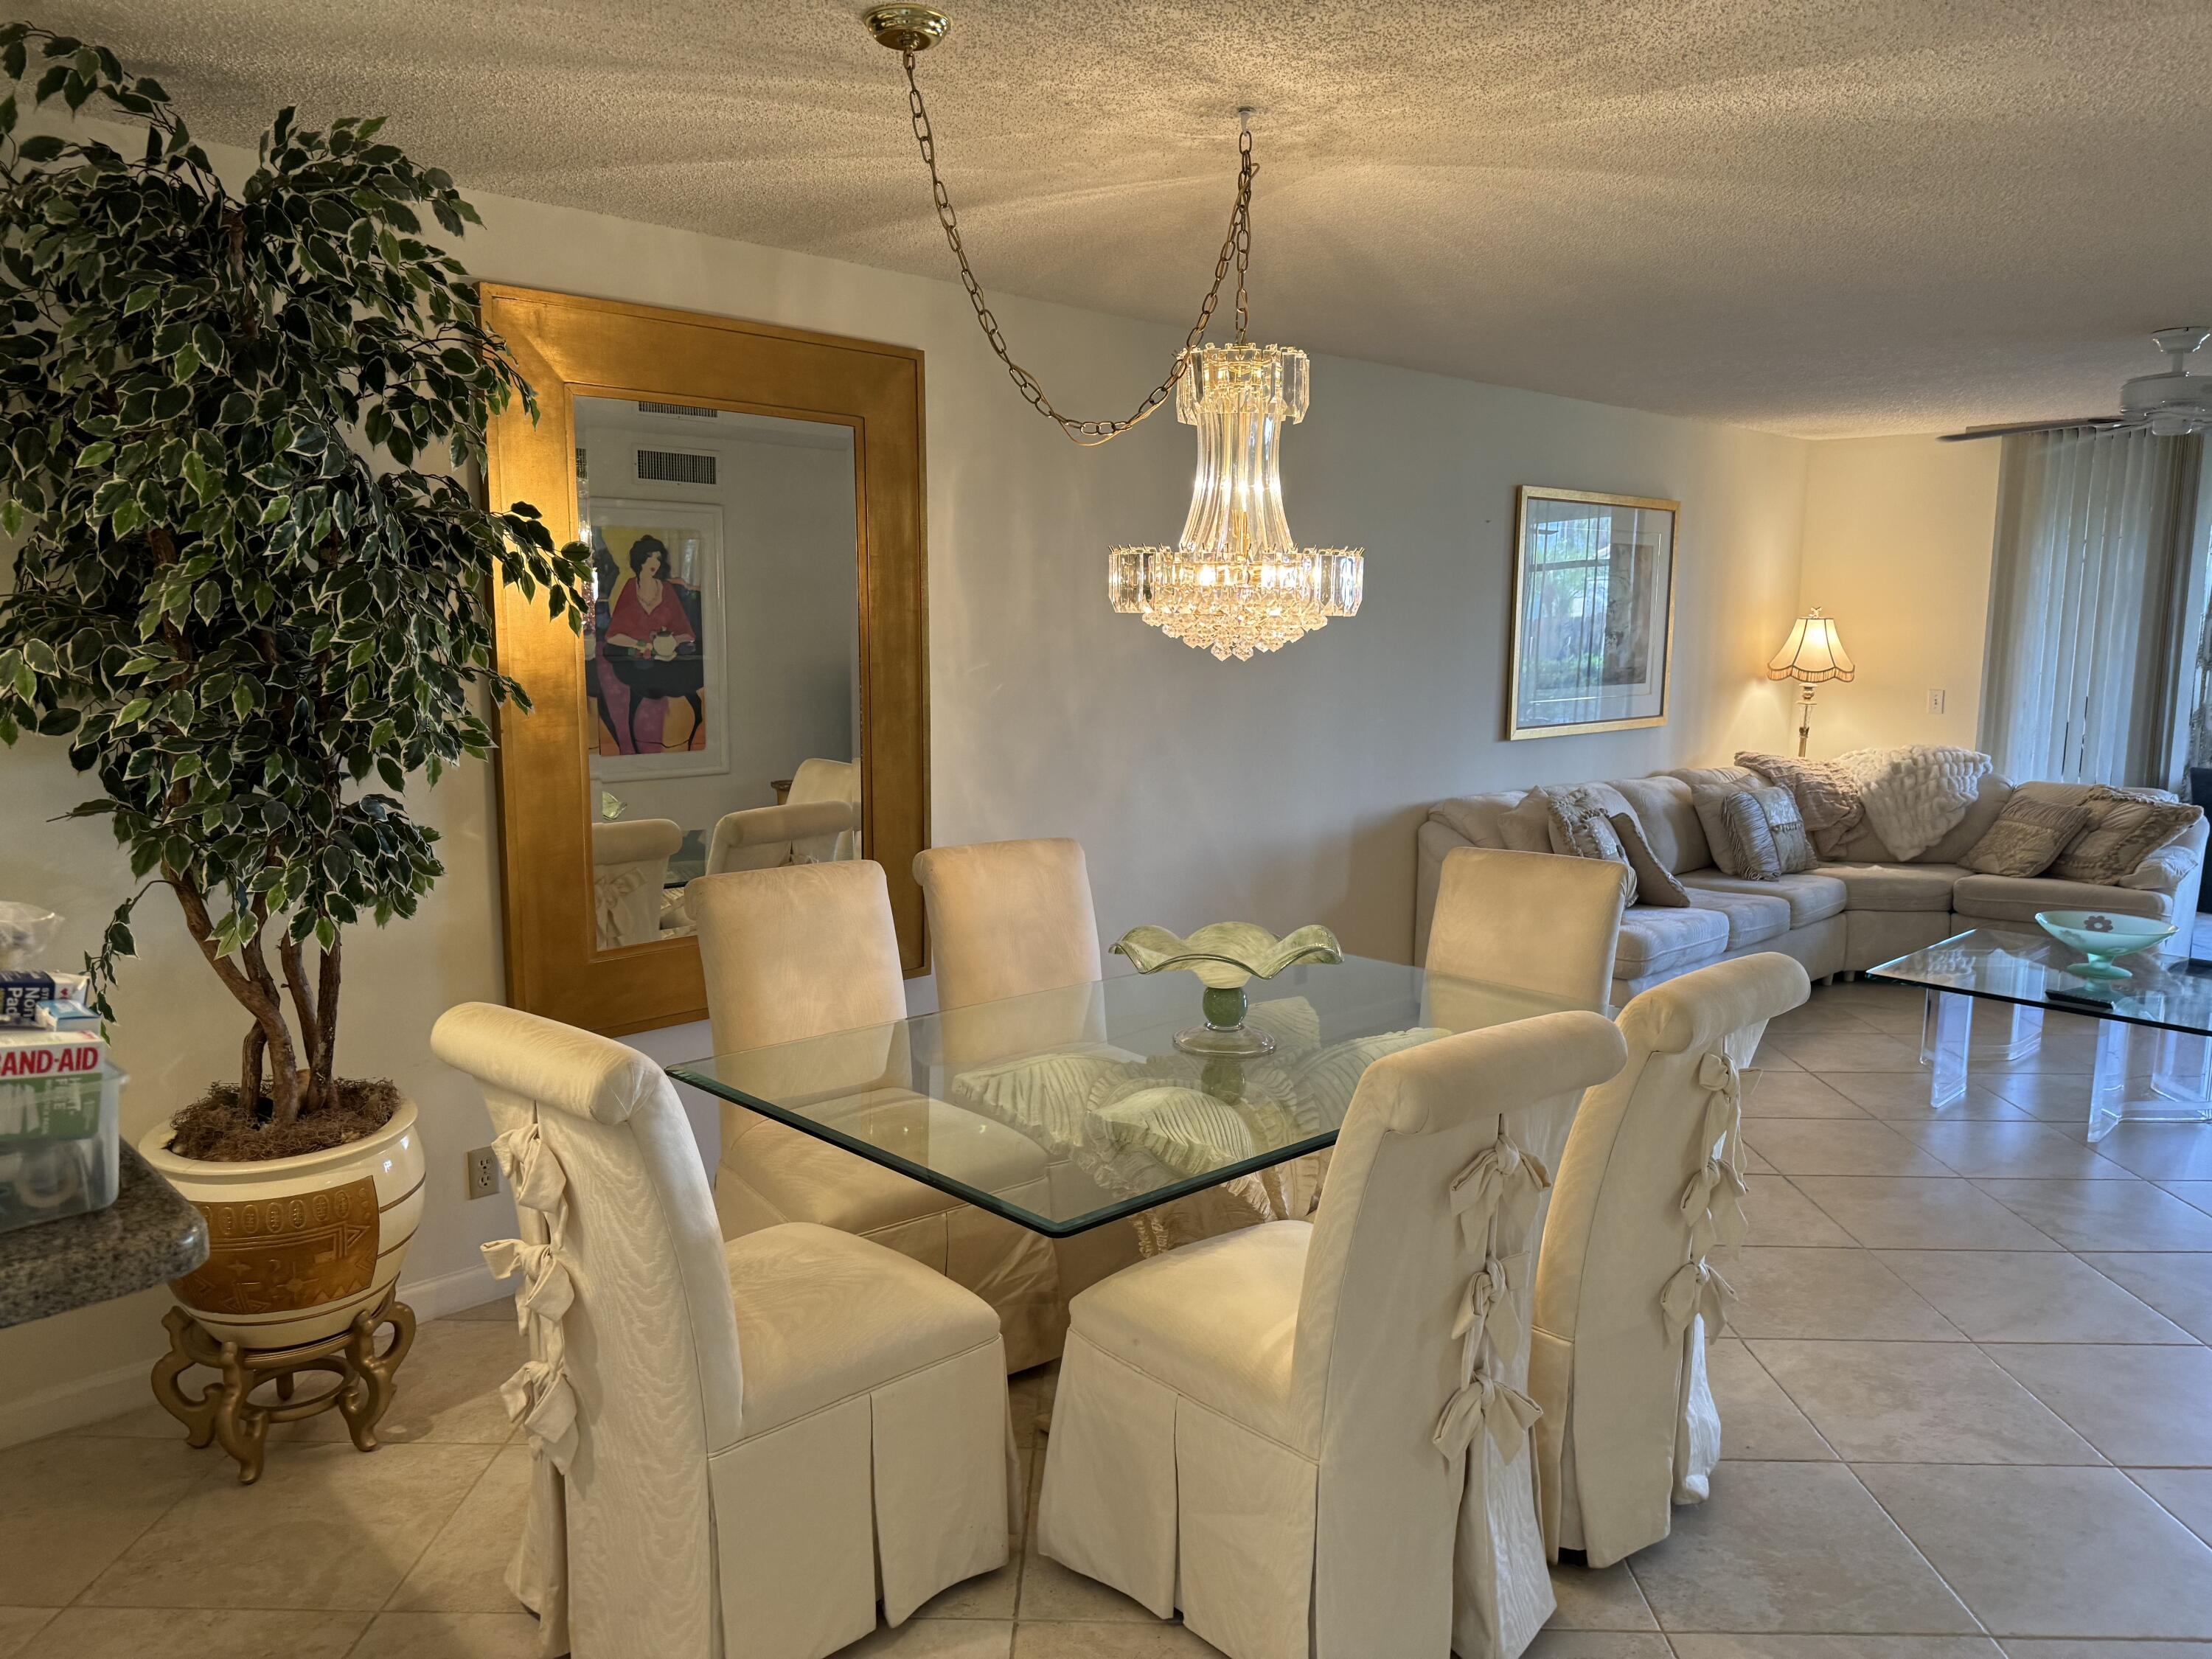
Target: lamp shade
(1813, 651)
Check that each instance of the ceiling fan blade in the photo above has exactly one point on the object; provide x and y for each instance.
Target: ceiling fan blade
(2091, 422)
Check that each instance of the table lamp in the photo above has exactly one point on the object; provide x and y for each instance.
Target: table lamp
(1812, 653)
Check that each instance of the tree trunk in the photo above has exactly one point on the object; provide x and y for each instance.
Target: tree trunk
(326, 1005)
(249, 982)
(306, 1008)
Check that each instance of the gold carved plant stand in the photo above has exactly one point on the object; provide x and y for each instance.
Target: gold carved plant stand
(225, 1410)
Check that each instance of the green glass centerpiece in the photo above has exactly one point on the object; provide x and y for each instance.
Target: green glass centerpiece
(1226, 955)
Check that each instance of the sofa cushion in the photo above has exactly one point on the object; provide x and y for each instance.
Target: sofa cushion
(1662, 805)
(1586, 832)
(1753, 918)
(1896, 886)
(2125, 825)
(1740, 829)
(1528, 826)
(2027, 837)
(2015, 899)
(1655, 883)
(1478, 819)
(1666, 941)
(1811, 896)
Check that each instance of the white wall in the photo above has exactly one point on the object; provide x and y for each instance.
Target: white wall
(1898, 539)
(1284, 790)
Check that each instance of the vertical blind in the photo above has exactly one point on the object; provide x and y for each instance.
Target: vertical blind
(2096, 586)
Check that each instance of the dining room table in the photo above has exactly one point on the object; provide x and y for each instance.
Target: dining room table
(1094, 1075)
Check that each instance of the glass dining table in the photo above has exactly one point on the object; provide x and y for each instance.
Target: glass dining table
(1123, 1121)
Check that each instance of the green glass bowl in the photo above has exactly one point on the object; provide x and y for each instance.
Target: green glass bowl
(2100, 936)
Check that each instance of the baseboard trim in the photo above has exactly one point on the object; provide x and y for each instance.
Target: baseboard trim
(86, 1400)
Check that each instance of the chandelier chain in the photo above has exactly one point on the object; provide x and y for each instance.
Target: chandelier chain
(1235, 250)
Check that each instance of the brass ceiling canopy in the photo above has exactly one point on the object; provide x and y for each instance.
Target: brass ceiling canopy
(907, 28)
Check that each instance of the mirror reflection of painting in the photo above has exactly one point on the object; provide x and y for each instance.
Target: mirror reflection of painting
(722, 656)
(1591, 623)
(650, 664)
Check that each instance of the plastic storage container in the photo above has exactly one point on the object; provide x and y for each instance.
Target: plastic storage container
(58, 1097)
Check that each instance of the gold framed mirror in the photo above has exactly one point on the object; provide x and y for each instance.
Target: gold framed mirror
(752, 686)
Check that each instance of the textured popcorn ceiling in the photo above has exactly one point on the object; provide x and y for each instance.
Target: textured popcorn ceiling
(1822, 217)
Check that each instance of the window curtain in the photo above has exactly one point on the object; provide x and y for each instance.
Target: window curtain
(2096, 599)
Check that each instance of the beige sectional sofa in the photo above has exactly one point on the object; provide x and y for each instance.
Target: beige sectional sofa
(1851, 915)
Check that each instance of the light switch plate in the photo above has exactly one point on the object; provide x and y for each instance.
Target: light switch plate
(483, 1172)
(1936, 697)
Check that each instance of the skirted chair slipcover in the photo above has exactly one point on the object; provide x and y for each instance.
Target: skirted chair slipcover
(739, 1448)
(806, 951)
(1650, 1184)
(818, 823)
(1014, 944)
(1312, 1436)
(629, 869)
(1537, 921)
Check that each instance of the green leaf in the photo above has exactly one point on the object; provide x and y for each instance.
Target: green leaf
(134, 711)
(44, 147)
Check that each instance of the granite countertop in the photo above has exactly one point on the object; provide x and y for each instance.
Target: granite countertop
(150, 1235)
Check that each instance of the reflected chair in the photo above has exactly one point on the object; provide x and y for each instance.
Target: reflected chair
(737, 1448)
(806, 951)
(1312, 1437)
(629, 868)
(1013, 919)
(1627, 1297)
(1535, 920)
(818, 823)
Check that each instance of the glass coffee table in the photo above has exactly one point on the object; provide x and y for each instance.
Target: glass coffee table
(2154, 1056)
(1066, 1109)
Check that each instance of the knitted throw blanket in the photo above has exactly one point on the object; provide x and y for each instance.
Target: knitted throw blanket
(1911, 798)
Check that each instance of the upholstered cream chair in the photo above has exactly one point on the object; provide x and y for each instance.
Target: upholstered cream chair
(1013, 919)
(630, 867)
(739, 1448)
(1535, 920)
(807, 950)
(818, 823)
(1626, 1298)
(1282, 1431)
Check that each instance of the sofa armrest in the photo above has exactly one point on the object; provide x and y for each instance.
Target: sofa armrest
(2165, 869)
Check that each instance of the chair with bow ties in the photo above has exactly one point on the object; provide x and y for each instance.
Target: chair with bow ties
(1312, 1436)
(1649, 1187)
(685, 1505)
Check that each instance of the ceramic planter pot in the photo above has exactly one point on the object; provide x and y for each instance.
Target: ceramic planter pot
(298, 1246)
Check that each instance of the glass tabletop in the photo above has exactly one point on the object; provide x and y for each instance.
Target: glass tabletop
(1069, 1108)
(2172, 992)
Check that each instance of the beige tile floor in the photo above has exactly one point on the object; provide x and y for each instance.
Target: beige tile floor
(1966, 1400)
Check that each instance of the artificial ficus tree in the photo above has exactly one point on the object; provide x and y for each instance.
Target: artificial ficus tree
(251, 615)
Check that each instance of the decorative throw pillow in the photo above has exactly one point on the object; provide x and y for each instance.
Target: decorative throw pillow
(2125, 826)
(1793, 848)
(1584, 832)
(2028, 835)
(1754, 830)
(1737, 830)
(1655, 881)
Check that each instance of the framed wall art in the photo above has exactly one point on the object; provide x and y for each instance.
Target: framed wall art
(1593, 612)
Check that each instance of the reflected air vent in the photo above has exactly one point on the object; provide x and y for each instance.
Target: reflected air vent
(581, 474)
(672, 466)
(680, 409)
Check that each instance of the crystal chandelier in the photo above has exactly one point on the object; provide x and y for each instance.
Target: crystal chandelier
(1235, 583)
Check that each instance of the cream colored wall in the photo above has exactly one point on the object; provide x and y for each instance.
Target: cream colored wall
(1283, 791)
(1898, 535)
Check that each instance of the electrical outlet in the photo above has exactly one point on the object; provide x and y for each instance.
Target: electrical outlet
(483, 1172)
(1937, 696)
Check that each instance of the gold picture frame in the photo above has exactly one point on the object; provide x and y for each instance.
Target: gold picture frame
(568, 346)
(1578, 667)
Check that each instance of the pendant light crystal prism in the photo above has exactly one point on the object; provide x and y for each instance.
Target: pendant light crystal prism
(1235, 583)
